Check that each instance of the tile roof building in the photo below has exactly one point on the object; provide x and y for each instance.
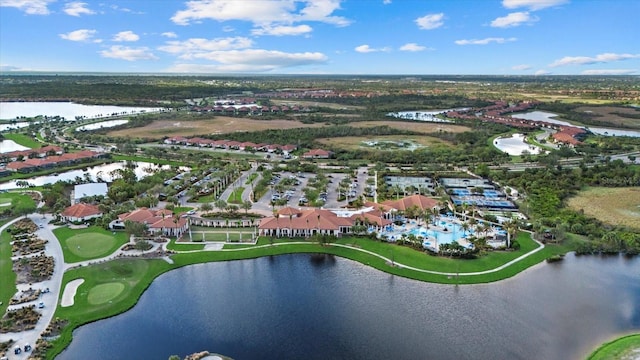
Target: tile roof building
(81, 212)
(159, 222)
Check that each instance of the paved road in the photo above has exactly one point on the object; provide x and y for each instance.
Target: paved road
(54, 249)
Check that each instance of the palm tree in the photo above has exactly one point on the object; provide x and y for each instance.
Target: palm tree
(511, 227)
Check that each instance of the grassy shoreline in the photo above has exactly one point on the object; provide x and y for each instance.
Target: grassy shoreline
(618, 348)
(137, 274)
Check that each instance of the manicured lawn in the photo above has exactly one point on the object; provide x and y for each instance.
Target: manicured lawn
(184, 247)
(179, 210)
(109, 288)
(626, 347)
(103, 293)
(251, 177)
(24, 140)
(7, 276)
(207, 199)
(221, 236)
(89, 243)
(16, 200)
(236, 196)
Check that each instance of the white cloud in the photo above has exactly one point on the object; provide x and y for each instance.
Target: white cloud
(514, 19)
(250, 60)
(126, 36)
(77, 8)
(169, 34)
(412, 47)
(82, 35)
(521, 67)
(128, 53)
(261, 12)
(367, 49)
(586, 60)
(31, 7)
(193, 48)
(541, 72)
(610, 72)
(228, 29)
(532, 5)
(430, 21)
(386, 2)
(282, 30)
(485, 41)
(7, 68)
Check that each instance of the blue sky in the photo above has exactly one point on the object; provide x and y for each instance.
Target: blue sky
(499, 37)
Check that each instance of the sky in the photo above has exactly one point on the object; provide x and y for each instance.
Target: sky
(421, 37)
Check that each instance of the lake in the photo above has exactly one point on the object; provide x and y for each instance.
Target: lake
(11, 126)
(10, 145)
(141, 170)
(67, 110)
(322, 307)
(423, 115)
(515, 145)
(549, 117)
(101, 125)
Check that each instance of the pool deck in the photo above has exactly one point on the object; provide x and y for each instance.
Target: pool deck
(396, 231)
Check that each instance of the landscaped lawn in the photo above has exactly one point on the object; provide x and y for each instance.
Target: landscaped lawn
(109, 288)
(7, 276)
(16, 200)
(236, 196)
(89, 243)
(24, 140)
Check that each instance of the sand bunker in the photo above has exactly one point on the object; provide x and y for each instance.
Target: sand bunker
(70, 292)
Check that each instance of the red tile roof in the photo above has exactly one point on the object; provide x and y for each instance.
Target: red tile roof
(421, 201)
(81, 210)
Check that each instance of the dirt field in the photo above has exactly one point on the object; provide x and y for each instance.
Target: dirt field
(418, 126)
(607, 114)
(218, 125)
(615, 206)
(358, 142)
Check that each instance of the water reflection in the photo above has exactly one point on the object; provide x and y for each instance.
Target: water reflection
(96, 173)
(298, 306)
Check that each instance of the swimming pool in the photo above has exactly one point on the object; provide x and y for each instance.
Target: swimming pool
(454, 232)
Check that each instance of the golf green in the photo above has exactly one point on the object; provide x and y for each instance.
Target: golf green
(102, 293)
(90, 245)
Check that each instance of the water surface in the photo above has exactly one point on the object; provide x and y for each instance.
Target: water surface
(321, 307)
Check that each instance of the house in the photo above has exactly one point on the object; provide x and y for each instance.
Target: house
(81, 212)
(317, 154)
(159, 222)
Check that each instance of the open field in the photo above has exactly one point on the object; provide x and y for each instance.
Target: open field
(626, 347)
(217, 125)
(417, 126)
(14, 200)
(566, 99)
(384, 142)
(610, 115)
(89, 243)
(615, 206)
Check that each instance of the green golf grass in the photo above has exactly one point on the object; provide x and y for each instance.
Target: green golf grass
(89, 243)
(103, 293)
